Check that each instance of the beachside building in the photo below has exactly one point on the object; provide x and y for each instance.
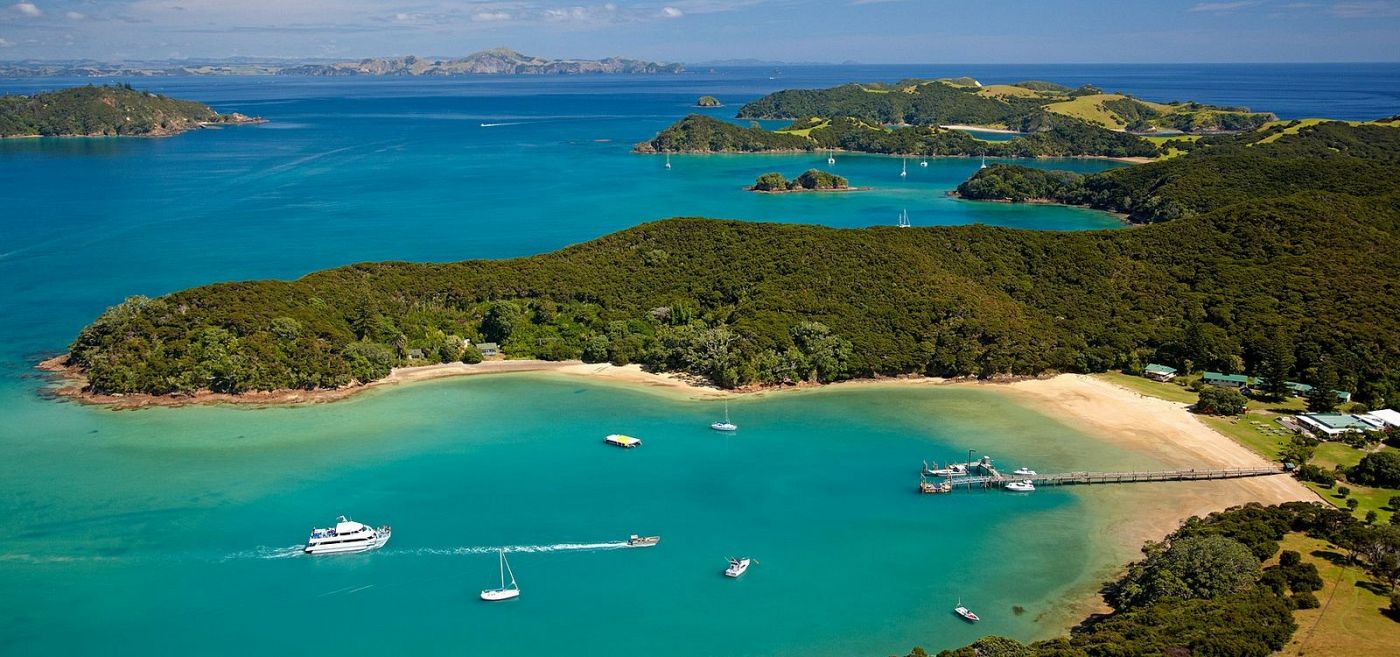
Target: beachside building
(1225, 380)
(1302, 390)
(488, 349)
(1332, 425)
(1159, 372)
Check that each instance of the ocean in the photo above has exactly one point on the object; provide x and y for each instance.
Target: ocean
(165, 531)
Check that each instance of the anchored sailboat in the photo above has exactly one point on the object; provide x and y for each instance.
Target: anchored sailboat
(984, 161)
(904, 169)
(904, 219)
(726, 425)
(668, 160)
(505, 592)
(830, 156)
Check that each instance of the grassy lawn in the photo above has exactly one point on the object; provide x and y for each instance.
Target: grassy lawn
(1349, 622)
(1007, 91)
(1168, 391)
(1091, 109)
(1257, 430)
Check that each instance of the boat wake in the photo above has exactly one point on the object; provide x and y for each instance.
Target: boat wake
(493, 125)
(557, 547)
(265, 552)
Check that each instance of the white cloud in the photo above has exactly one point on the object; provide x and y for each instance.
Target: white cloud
(4, 43)
(671, 12)
(491, 16)
(28, 9)
(1223, 6)
(75, 15)
(1366, 9)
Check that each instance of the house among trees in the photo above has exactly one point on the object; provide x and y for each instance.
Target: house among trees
(488, 349)
(1225, 380)
(1302, 390)
(1158, 372)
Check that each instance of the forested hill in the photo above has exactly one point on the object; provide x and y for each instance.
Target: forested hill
(1311, 272)
(92, 111)
(1026, 106)
(1067, 138)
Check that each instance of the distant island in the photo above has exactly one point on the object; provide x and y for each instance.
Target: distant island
(1299, 221)
(708, 101)
(812, 180)
(106, 111)
(496, 61)
(939, 117)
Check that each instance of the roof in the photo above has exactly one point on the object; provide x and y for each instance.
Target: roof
(1217, 376)
(1159, 369)
(1338, 421)
(487, 345)
(1385, 416)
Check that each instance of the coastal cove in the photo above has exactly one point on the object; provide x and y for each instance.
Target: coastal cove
(195, 507)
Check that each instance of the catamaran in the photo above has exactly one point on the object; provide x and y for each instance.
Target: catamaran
(904, 219)
(737, 567)
(725, 425)
(345, 537)
(506, 592)
(965, 613)
(1021, 486)
(642, 541)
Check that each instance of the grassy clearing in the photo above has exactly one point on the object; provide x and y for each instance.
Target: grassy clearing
(807, 131)
(1168, 391)
(1008, 91)
(1091, 109)
(1350, 621)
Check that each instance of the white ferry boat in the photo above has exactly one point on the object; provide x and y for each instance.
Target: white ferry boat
(737, 567)
(346, 536)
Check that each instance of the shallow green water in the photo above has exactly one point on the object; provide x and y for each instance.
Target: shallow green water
(177, 528)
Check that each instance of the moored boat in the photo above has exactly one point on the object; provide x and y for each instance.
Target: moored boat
(642, 541)
(623, 441)
(347, 536)
(724, 425)
(966, 613)
(737, 567)
(1026, 472)
(1020, 486)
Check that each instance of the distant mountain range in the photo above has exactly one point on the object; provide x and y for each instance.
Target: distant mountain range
(497, 61)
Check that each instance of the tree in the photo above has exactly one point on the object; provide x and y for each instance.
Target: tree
(1216, 400)
(1323, 397)
(1343, 491)
(1352, 503)
(501, 319)
(771, 182)
(1194, 567)
(1381, 469)
(1371, 517)
(1275, 364)
(472, 355)
(1394, 503)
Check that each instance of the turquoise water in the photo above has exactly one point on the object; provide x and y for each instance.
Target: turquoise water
(166, 531)
(194, 514)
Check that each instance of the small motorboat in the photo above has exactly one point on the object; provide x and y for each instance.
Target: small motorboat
(642, 541)
(1025, 472)
(952, 470)
(966, 613)
(1021, 486)
(737, 567)
(507, 591)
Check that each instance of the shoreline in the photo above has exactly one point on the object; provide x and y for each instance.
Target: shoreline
(1128, 516)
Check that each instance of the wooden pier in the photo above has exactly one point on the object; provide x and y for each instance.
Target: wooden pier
(994, 479)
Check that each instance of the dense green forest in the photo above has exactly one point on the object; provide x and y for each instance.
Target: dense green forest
(1251, 265)
(1203, 591)
(1358, 160)
(107, 111)
(1021, 106)
(1065, 138)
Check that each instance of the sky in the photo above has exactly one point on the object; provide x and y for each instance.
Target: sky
(867, 31)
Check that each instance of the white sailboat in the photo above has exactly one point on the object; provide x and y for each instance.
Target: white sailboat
(830, 156)
(506, 592)
(904, 168)
(904, 219)
(965, 612)
(984, 161)
(726, 425)
(668, 160)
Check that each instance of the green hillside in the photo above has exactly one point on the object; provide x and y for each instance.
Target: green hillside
(116, 110)
(1245, 260)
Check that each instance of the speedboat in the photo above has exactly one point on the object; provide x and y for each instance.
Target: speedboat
(506, 592)
(1025, 472)
(966, 614)
(737, 567)
(1021, 486)
(345, 537)
(642, 541)
(952, 470)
